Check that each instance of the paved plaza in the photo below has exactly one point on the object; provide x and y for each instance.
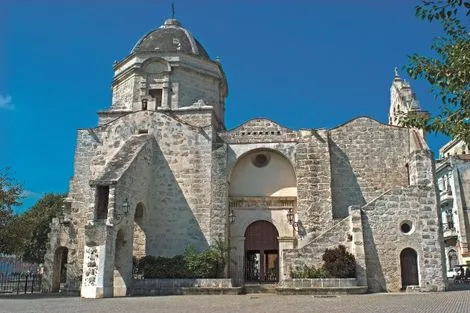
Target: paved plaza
(448, 302)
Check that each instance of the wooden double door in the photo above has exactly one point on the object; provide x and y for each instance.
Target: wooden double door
(261, 252)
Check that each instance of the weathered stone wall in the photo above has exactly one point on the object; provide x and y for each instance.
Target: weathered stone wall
(160, 287)
(312, 167)
(123, 93)
(259, 130)
(71, 234)
(196, 117)
(319, 283)
(179, 190)
(193, 86)
(312, 253)
(219, 196)
(367, 158)
(384, 240)
(421, 168)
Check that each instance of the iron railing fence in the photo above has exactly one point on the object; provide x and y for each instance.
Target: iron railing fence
(20, 283)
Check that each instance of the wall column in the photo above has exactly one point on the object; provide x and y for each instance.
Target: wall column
(238, 259)
(284, 243)
(166, 94)
(357, 245)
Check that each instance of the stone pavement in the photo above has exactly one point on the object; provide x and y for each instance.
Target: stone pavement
(448, 302)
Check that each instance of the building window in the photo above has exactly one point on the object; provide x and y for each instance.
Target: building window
(144, 104)
(260, 160)
(102, 195)
(453, 259)
(406, 227)
(450, 220)
(157, 95)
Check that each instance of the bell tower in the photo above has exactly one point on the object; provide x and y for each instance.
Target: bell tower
(403, 101)
(168, 70)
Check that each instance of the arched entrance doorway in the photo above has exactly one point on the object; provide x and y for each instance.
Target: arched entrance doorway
(119, 284)
(261, 252)
(139, 237)
(409, 268)
(59, 275)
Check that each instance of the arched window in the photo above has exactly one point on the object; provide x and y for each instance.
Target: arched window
(453, 259)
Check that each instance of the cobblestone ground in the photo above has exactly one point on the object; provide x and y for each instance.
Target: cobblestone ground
(458, 302)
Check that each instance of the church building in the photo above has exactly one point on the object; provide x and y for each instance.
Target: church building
(160, 172)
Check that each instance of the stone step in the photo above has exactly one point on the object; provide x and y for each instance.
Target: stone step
(326, 291)
(260, 288)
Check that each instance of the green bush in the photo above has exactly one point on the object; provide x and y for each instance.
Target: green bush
(339, 263)
(308, 272)
(202, 265)
(162, 267)
(207, 264)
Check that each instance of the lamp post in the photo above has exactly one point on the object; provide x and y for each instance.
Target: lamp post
(290, 219)
(231, 217)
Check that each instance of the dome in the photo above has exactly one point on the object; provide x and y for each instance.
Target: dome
(170, 37)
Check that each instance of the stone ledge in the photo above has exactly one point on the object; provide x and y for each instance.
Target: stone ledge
(322, 291)
(168, 286)
(211, 291)
(319, 283)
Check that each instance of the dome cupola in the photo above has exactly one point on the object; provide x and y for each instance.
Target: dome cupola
(171, 37)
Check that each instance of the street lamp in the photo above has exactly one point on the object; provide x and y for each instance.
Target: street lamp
(231, 217)
(290, 219)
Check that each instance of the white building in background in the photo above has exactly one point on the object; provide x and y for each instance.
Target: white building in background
(453, 175)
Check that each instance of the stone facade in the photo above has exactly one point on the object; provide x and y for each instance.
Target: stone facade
(160, 172)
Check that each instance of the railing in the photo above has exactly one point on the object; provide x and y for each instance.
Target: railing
(449, 230)
(20, 283)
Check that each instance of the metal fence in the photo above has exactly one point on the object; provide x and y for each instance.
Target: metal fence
(20, 283)
(18, 277)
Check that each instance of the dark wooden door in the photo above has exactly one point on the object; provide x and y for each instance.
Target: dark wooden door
(261, 252)
(409, 268)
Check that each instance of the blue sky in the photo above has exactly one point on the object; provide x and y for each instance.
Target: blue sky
(304, 64)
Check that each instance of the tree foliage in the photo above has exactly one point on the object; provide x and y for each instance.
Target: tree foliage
(10, 195)
(28, 232)
(448, 72)
(35, 226)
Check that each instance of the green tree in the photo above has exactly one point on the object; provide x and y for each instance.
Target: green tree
(10, 195)
(448, 72)
(32, 227)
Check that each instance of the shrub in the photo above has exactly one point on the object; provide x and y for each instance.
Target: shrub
(306, 271)
(339, 263)
(207, 264)
(162, 267)
(201, 265)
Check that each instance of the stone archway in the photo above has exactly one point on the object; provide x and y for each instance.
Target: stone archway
(261, 252)
(263, 173)
(120, 264)
(139, 237)
(59, 274)
(409, 268)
